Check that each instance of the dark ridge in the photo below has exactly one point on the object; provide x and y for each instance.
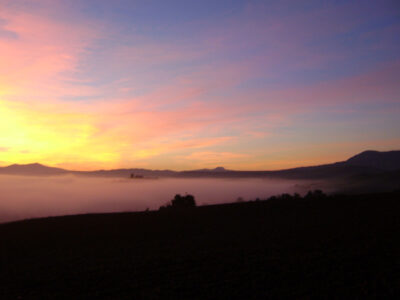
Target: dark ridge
(388, 161)
(32, 169)
(366, 163)
(329, 247)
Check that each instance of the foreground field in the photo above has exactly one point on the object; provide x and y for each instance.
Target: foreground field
(338, 247)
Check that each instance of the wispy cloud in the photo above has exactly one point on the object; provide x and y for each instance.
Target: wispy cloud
(83, 91)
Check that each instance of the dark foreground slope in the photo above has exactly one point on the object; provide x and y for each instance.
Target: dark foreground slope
(340, 247)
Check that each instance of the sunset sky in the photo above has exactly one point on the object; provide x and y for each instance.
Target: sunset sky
(91, 84)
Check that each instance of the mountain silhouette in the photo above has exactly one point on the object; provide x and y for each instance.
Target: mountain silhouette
(32, 169)
(365, 163)
(388, 161)
(217, 169)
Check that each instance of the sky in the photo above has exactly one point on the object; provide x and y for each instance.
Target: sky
(248, 85)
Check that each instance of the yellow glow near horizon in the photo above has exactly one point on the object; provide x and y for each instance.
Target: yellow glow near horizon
(30, 135)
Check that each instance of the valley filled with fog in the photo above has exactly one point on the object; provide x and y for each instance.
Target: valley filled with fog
(37, 196)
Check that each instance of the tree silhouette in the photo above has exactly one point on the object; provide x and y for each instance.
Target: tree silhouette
(179, 201)
(316, 194)
(183, 201)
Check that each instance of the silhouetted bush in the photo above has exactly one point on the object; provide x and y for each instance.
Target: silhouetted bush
(316, 194)
(311, 195)
(183, 201)
(180, 202)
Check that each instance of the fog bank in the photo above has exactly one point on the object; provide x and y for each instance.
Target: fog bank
(30, 197)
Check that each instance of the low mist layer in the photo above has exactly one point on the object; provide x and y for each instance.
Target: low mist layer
(29, 197)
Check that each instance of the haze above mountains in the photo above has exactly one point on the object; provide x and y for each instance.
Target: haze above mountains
(367, 163)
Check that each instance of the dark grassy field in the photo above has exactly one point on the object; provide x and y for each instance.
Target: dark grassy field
(342, 247)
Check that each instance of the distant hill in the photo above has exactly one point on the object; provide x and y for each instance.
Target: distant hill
(31, 169)
(368, 163)
(127, 172)
(388, 161)
(217, 169)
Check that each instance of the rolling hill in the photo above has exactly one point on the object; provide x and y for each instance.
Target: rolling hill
(368, 163)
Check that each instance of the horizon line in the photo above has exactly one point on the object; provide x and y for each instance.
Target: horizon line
(189, 170)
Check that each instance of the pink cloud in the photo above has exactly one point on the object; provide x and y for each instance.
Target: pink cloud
(381, 84)
(376, 86)
(43, 55)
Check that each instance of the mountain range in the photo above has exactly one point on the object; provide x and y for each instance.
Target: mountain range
(367, 163)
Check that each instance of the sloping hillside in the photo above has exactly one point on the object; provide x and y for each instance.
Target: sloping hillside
(388, 161)
(339, 247)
